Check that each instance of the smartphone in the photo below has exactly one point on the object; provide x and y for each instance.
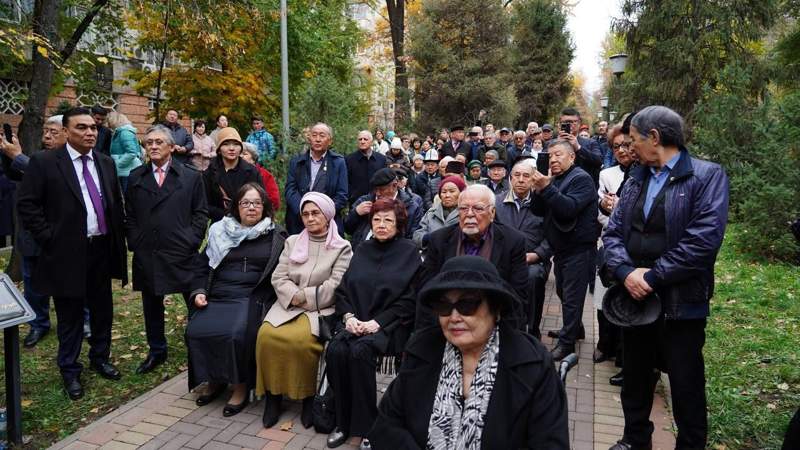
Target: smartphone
(543, 163)
(566, 128)
(7, 132)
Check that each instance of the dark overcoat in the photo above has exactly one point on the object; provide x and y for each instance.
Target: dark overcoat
(331, 181)
(165, 227)
(51, 208)
(527, 408)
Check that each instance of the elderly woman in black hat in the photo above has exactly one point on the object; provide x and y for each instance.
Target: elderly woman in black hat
(474, 382)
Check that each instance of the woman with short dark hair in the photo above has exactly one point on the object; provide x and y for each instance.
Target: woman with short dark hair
(232, 296)
(375, 308)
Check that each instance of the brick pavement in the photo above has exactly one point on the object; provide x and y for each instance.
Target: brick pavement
(167, 417)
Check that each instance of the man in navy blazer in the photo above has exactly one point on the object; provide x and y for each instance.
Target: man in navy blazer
(71, 202)
(319, 169)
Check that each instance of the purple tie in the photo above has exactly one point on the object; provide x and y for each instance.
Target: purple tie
(94, 194)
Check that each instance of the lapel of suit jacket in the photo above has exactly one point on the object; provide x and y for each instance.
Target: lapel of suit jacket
(106, 175)
(68, 172)
(172, 182)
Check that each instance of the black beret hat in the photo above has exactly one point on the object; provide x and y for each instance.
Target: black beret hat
(497, 163)
(383, 177)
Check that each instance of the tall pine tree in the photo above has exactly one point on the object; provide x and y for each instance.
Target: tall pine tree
(460, 62)
(540, 58)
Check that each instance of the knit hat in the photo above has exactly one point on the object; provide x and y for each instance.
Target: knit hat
(397, 143)
(455, 180)
(474, 163)
(228, 134)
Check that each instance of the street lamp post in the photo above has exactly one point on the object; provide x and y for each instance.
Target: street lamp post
(604, 105)
(617, 63)
(284, 76)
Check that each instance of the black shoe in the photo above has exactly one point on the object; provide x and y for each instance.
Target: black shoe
(34, 337)
(73, 388)
(554, 334)
(617, 379)
(106, 370)
(560, 352)
(150, 363)
(336, 438)
(599, 356)
(307, 416)
(272, 410)
(232, 410)
(622, 444)
(211, 396)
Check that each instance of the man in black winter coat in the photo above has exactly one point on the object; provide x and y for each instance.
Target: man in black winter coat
(167, 216)
(361, 166)
(567, 199)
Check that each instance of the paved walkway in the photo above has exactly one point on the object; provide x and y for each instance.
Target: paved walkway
(168, 418)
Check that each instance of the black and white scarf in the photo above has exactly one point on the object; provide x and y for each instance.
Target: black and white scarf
(456, 423)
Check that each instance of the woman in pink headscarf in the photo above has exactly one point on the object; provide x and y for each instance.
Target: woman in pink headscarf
(309, 270)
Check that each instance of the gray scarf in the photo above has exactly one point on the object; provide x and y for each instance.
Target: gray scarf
(456, 423)
(228, 233)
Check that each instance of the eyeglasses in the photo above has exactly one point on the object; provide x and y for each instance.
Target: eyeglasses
(251, 204)
(465, 306)
(477, 209)
(619, 146)
(154, 141)
(307, 214)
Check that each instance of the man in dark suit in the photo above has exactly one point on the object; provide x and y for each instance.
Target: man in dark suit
(104, 134)
(319, 169)
(71, 203)
(361, 166)
(477, 233)
(166, 221)
(456, 143)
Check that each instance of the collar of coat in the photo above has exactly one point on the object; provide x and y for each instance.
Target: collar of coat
(683, 168)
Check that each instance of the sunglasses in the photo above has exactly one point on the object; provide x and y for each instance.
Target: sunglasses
(465, 306)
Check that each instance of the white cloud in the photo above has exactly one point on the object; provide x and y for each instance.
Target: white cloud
(588, 24)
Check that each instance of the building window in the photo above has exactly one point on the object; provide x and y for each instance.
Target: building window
(12, 93)
(15, 10)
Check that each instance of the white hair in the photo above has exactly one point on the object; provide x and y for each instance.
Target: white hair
(368, 133)
(59, 120)
(251, 149)
(481, 190)
(525, 163)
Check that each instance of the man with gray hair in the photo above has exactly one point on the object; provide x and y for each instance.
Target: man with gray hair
(361, 166)
(663, 238)
(477, 234)
(567, 200)
(514, 210)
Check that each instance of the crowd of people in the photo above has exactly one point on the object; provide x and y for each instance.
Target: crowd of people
(425, 255)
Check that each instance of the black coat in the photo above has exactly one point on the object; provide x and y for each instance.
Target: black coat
(448, 150)
(262, 298)
(165, 227)
(508, 256)
(215, 177)
(104, 135)
(360, 170)
(526, 222)
(50, 205)
(527, 409)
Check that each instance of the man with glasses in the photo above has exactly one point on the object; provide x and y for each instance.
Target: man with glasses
(588, 155)
(477, 234)
(361, 166)
(567, 201)
(166, 222)
(518, 148)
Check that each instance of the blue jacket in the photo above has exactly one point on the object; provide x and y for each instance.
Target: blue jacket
(265, 144)
(331, 181)
(696, 207)
(125, 150)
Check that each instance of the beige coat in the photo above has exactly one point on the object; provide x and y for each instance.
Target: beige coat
(324, 268)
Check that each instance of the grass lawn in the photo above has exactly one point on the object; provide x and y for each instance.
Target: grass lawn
(49, 415)
(752, 350)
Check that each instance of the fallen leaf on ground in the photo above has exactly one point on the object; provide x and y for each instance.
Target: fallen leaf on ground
(783, 386)
(25, 403)
(286, 426)
(133, 347)
(94, 410)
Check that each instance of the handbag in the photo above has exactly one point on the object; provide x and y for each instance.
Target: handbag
(325, 333)
(323, 412)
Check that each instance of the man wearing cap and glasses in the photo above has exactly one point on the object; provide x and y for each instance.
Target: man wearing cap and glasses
(384, 185)
(663, 237)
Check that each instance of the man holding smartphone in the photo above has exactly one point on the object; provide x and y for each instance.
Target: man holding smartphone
(587, 152)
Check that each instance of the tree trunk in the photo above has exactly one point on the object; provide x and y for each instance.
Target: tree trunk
(45, 24)
(72, 44)
(397, 26)
(161, 63)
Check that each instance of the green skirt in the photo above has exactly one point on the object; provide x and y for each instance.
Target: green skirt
(287, 358)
